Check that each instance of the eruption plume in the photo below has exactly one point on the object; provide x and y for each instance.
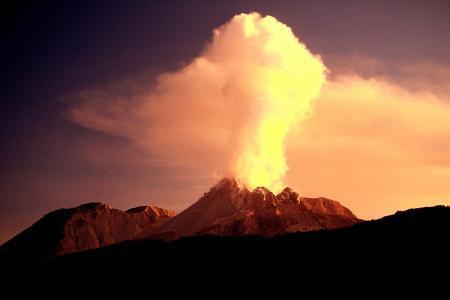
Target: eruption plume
(251, 84)
(271, 79)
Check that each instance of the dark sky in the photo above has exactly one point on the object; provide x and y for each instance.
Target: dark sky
(54, 49)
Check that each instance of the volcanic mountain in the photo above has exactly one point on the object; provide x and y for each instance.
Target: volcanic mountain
(87, 226)
(229, 209)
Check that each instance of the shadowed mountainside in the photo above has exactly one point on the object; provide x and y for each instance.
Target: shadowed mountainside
(411, 245)
(405, 238)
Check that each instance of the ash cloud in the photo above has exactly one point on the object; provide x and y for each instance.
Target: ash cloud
(373, 140)
(239, 99)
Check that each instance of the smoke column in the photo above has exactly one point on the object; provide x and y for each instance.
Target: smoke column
(270, 79)
(250, 85)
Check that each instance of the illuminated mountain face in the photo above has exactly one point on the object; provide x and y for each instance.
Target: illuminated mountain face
(229, 209)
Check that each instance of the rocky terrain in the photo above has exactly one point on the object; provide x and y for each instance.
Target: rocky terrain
(230, 210)
(87, 226)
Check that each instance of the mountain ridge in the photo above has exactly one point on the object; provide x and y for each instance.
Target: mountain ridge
(227, 209)
(230, 209)
(87, 226)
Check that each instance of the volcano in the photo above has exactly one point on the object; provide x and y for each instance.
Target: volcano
(229, 209)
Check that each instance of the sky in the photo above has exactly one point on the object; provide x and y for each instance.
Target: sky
(75, 77)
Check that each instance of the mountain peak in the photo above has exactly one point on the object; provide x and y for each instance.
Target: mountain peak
(230, 208)
(229, 184)
(263, 191)
(288, 195)
(152, 210)
(93, 206)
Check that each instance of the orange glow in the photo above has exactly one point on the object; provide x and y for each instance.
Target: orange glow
(376, 145)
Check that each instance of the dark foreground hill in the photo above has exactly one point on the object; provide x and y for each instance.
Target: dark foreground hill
(410, 237)
(401, 251)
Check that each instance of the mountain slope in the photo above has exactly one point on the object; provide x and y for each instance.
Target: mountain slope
(230, 210)
(87, 226)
